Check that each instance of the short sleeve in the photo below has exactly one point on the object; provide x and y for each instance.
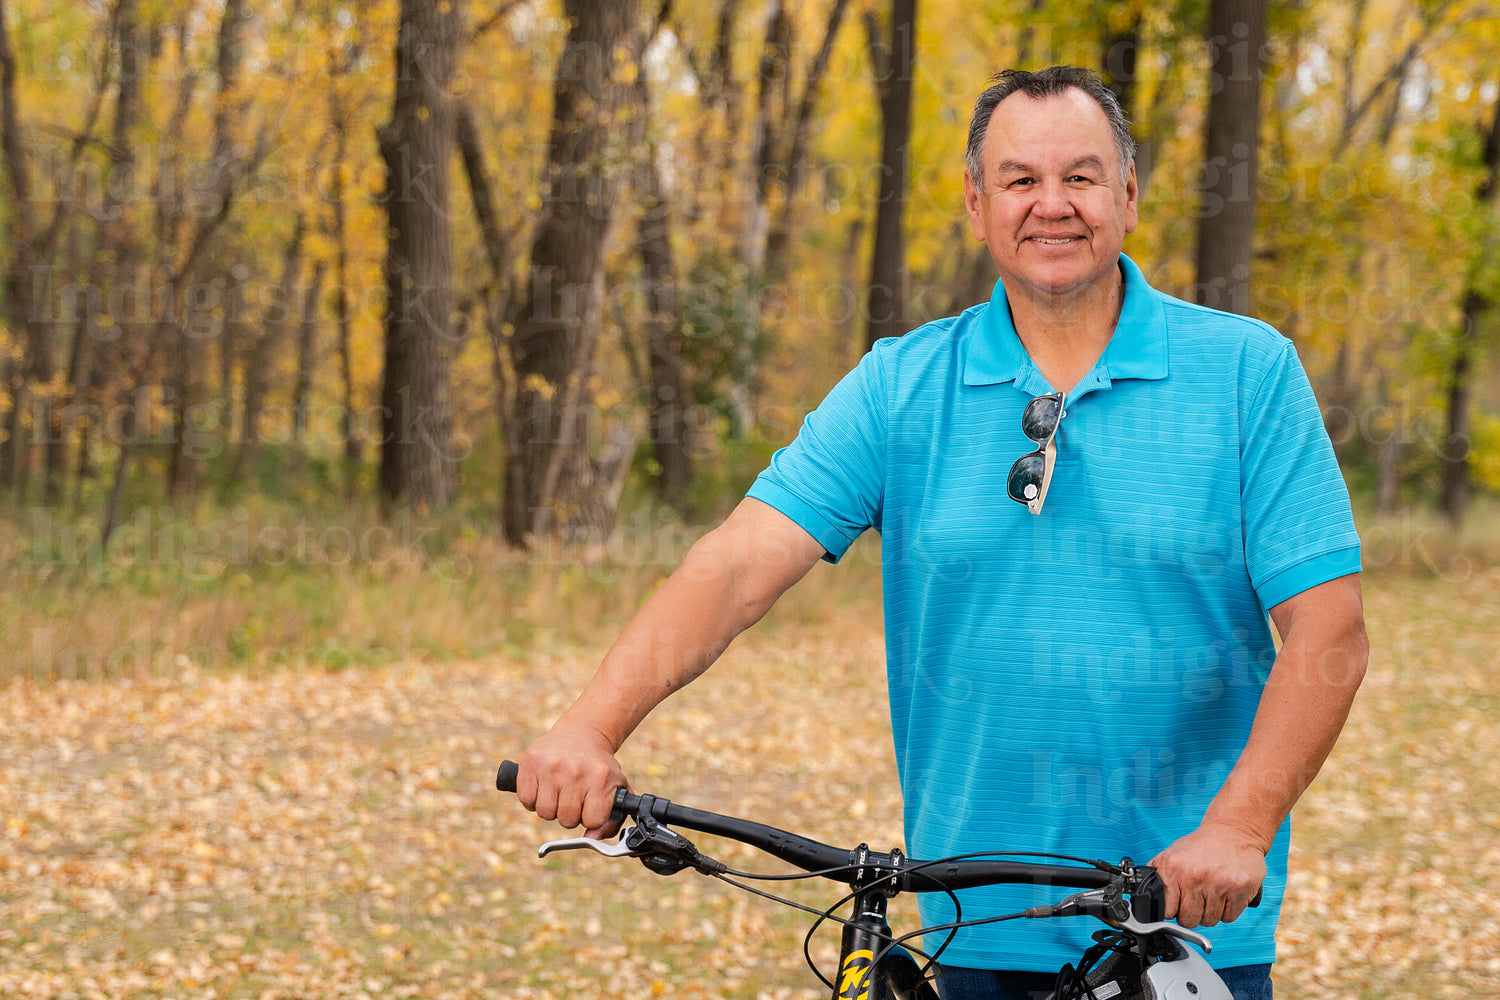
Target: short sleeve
(831, 478)
(1299, 527)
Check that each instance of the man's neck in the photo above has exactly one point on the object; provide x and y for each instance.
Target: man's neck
(1066, 335)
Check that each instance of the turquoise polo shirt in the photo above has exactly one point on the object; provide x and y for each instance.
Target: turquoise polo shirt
(1082, 680)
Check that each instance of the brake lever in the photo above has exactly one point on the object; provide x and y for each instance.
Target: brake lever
(660, 848)
(1110, 907)
(1134, 926)
(619, 849)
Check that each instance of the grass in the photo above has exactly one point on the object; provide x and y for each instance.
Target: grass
(269, 776)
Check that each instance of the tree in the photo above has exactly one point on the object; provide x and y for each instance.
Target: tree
(224, 167)
(668, 394)
(417, 464)
(262, 342)
(765, 160)
(1477, 304)
(667, 404)
(20, 312)
(1226, 214)
(552, 483)
(894, 69)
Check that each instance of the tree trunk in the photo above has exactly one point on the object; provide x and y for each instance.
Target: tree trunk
(225, 166)
(307, 360)
(35, 370)
(87, 378)
(348, 426)
(417, 464)
(119, 249)
(58, 429)
(766, 169)
(499, 297)
(185, 398)
(269, 332)
(719, 91)
(667, 407)
(1122, 49)
(886, 310)
(851, 338)
(552, 486)
(791, 168)
(1388, 473)
(773, 78)
(1226, 213)
(1457, 446)
(1476, 304)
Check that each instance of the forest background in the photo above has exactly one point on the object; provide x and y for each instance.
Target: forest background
(424, 337)
(503, 289)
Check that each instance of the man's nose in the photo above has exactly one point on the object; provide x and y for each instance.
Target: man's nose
(1053, 201)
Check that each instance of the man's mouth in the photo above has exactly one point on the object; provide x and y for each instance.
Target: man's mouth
(1054, 241)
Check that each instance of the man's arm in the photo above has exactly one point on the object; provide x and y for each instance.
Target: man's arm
(728, 581)
(1212, 873)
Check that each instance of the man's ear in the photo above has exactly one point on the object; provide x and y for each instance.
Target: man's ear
(972, 195)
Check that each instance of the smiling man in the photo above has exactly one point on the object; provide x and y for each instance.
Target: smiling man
(1050, 188)
(1077, 639)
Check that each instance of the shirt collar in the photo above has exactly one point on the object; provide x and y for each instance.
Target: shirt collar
(1137, 349)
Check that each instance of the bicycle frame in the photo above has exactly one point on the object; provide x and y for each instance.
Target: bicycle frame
(868, 961)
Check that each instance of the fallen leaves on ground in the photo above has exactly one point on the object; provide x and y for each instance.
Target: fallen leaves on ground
(315, 834)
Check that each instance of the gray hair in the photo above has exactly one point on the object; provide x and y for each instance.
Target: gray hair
(1050, 82)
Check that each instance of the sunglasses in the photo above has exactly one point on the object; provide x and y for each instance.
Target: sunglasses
(1032, 473)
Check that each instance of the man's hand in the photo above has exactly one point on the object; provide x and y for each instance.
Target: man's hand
(571, 777)
(1211, 874)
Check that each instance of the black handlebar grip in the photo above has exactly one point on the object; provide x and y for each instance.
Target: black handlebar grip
(505, 780)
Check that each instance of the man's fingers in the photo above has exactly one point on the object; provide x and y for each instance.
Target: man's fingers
(1233, 908)
(1212, 911)
(1174, 899)
(597, 809)
(1190, 909)
(545, 800)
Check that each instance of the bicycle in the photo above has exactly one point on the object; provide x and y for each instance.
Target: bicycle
(1139, 956)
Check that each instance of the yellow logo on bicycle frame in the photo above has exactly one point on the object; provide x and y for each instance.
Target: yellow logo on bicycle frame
(854, 979)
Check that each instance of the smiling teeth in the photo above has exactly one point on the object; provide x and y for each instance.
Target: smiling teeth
(1043, 239)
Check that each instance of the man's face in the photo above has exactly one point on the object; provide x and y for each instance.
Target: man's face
(1054, 210)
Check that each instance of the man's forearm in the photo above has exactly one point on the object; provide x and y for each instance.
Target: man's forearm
(728, 581)
(675, 636)
(1302, 710)
(1212, 872)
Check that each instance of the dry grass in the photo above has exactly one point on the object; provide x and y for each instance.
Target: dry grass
(175, 831)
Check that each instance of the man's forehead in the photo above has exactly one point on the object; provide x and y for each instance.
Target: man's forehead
(1026, 119)
(1021, 105)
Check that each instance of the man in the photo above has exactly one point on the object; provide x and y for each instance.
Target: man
(1088, 669)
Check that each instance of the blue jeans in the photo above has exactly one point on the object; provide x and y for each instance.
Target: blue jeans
(1245, 982)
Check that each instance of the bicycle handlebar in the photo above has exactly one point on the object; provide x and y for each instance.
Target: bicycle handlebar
(906, 874)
